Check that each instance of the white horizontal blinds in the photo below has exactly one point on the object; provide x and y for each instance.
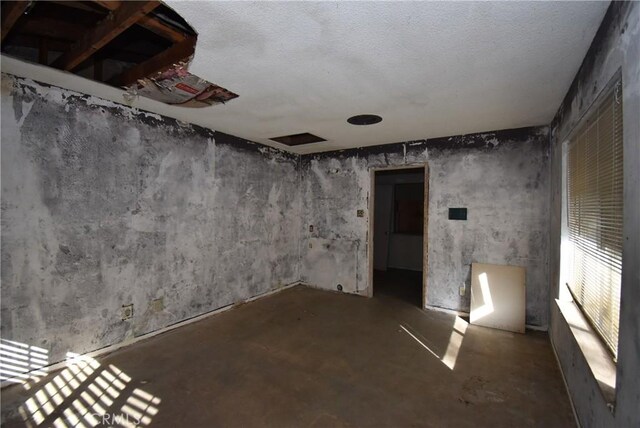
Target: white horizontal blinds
(594, 185)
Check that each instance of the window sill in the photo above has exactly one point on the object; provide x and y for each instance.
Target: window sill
(595, 353)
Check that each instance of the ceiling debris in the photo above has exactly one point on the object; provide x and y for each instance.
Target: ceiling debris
(144, 46)
(178, 86)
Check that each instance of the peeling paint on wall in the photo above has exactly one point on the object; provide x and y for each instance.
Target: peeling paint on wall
(104, 205)
(615, 49)
(501, 177)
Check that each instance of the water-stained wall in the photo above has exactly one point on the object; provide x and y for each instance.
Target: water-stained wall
(500, 177)
(614, 53)
(105, 206)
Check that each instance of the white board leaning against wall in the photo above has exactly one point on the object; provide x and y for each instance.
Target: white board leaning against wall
(498, 296)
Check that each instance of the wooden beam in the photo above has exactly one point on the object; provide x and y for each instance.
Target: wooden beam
(150, 23)
(161, 29)
(78, 5)
(119, 20)
(109, 4)
(161, 62)
(11, 12)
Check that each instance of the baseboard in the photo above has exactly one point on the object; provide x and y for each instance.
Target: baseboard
(466, 314)
(348, 293)
(115, 347)
(447, 311)
(128, 342)
(537, 327)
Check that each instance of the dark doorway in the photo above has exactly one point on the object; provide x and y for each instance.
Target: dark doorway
(398, 234)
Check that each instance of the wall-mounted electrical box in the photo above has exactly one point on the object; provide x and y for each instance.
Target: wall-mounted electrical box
(457, 213)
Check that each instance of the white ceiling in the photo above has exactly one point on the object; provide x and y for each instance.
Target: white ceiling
(429, 69)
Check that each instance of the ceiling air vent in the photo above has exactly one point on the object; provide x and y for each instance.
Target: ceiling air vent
(298, 139)
(364, 119)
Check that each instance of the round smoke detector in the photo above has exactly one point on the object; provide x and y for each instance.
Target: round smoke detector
(364, 119)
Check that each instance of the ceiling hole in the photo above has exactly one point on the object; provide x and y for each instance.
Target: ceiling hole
(298, 139)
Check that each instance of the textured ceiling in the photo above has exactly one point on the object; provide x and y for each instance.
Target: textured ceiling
(429, 69)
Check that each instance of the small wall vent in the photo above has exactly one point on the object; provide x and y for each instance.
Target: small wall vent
(298, 139)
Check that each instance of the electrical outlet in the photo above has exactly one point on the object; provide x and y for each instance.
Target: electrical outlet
(127, 311)
(157, 304)
(463, 289)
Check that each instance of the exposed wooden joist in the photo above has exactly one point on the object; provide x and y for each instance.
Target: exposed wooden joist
(74, 4)
(158, 27)
(120, 19)
(149, 22)
(164, 60)
(109, 4)
(11, 12)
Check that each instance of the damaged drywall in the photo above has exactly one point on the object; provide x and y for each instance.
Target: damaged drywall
(615, 52)
(501, 177)
(105, 206)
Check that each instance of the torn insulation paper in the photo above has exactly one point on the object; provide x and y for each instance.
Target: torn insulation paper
(178, 86)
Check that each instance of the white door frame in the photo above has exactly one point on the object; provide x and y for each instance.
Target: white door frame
(425, 231)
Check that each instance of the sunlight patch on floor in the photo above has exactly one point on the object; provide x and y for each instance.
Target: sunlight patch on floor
(453, 347)
(21, 363)
(83, 394)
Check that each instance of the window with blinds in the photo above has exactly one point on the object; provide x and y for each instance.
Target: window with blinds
(594, 196)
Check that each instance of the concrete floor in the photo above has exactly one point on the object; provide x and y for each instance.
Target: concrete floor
(310, 358)
(405, 285)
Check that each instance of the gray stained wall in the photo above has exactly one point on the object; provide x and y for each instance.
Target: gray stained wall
(615, 49)
(104, 206)
(500, 177)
